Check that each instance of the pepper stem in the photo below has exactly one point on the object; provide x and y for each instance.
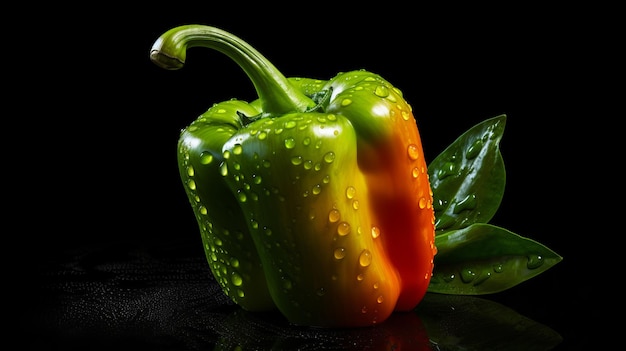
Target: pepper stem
(276, 94)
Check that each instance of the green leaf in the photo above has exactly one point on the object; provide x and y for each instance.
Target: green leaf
(485, 259)
(471, 323)
(468, 177)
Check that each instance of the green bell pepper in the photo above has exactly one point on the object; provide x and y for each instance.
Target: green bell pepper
(313, 199)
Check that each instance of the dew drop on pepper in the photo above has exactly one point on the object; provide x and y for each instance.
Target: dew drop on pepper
(350, 192)
(296, 160)
(413, 152)
(375, 232)
(415, 172)
(290, 143)
(334, 215)
(343, 228)
(381, 91)
(339, 253)
(236, 279)
(206, 158)
(329, 157)
(365, 258)
(317, 189)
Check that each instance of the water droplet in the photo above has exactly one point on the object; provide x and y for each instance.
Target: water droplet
(226, 154)
(190, 171)
(364, 309)
(290, 143)
(413, 152)
(406, 115)
(375, 232)
(237, 149)
(234, 262)
(326, 179)
(254, 224)
(380, 299)
(306, 141)
(346, 102)
(240, 293)
(467, 275)
(206, 158)
(308, 164)
(334, 216)
(287, 283)
(236, 279)
(318, 166)
(290, 124)
(223, 169)
(482, 278)
(446, 170)
(339, 253)
(343, 228)
(262, 136)
(498, 268)
(317, 189)
(422, 202)
(534, 261)
(355, 204)
(241, 195)
(381, 91)
(296, 160)
(474, 149)
(256, 179)
(365, 258)
(467, 203)
(415, 172)
(376, 285)
(202, 210)
(329, 157)
(448, 278)
(360, 277)
(321, 291)
(191, 184)
(350, 192)
(266, 164)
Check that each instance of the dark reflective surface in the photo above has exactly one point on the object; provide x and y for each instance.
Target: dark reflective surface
(164, 297)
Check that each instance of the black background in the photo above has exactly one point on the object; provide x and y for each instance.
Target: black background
(94, 147)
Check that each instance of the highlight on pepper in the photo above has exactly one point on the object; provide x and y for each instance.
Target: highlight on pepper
(316, 200)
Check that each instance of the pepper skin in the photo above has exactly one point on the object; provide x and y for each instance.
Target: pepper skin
(313, 199)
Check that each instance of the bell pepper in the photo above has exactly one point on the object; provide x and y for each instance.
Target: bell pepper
(313, 199)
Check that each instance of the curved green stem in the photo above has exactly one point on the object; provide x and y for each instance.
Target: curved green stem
(277, 95)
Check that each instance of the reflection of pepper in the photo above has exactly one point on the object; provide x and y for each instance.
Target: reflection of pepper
(313, 198)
